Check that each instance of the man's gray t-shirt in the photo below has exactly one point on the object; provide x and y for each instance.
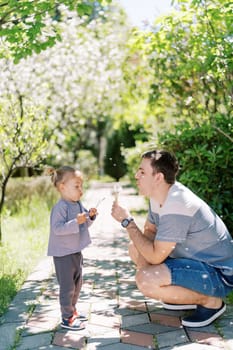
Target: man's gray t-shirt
(66, 235)
(198, 231)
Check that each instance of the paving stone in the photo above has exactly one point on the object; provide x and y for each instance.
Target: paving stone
(229, 344)
(227, 333)
(150, 328)
(134, 320)
(42, 271)
(27, 331)
(134, 305)
(112, 337)
(7, 335)
(192, 346)
(16, 313)
(112, 322)
(195, 336)
(29, 291)
(140, 339)
(102, 306)
(97, 330)
(70, 339)
(117, 346)
(35, 341)
(41, 321)
(49, 309)
(165, 320)
(153, 305)
(226, 327)
(172, 338)
(110, 294)
(128, 312)
(50, 347)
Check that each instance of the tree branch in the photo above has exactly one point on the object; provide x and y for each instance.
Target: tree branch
(223, 133)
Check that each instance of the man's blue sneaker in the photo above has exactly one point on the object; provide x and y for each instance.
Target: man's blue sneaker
(177, 307)
(72, 324)
(203, 316)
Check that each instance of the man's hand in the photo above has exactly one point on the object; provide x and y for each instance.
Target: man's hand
(119, 213)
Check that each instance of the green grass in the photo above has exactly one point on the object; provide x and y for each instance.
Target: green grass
(25, 238)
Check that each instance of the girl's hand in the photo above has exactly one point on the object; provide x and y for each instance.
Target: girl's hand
(92, 213)
(81, 218)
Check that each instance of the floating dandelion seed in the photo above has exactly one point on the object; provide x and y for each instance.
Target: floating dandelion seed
(204, 276)
(187, 248)
(188, 267)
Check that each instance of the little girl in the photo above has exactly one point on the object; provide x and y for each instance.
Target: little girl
(69, 234)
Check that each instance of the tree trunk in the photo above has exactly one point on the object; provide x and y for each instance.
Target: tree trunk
(3, 192)
(102, 152)
(0, 229)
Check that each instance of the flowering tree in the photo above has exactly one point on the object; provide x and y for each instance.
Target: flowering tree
(63, 98)
(31, 26)
(22, 140)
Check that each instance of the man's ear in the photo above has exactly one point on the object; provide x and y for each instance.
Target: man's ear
(61, 186)
(159, 177)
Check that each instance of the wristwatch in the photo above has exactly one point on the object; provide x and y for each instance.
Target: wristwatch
(126, 222)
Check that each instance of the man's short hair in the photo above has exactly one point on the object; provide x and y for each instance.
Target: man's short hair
(164, 162)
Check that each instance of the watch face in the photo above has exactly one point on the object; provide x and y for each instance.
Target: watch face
(125, 222)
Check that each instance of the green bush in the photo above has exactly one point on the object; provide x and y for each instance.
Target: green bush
(19, 189)
(115, 163)
(205, 156)
(206, 163)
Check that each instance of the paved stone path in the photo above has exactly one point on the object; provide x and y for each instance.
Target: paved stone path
(120, 317)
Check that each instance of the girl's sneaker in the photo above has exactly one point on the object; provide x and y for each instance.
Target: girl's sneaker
(72, 323)
(80, 316)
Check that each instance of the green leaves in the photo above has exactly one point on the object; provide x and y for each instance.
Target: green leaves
(190, 51)
(205, 155)
(84, 9)
(23, 24)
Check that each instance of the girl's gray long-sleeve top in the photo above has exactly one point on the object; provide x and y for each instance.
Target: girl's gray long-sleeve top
(66, 235)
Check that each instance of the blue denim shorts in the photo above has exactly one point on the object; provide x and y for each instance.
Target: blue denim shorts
(198, 276)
